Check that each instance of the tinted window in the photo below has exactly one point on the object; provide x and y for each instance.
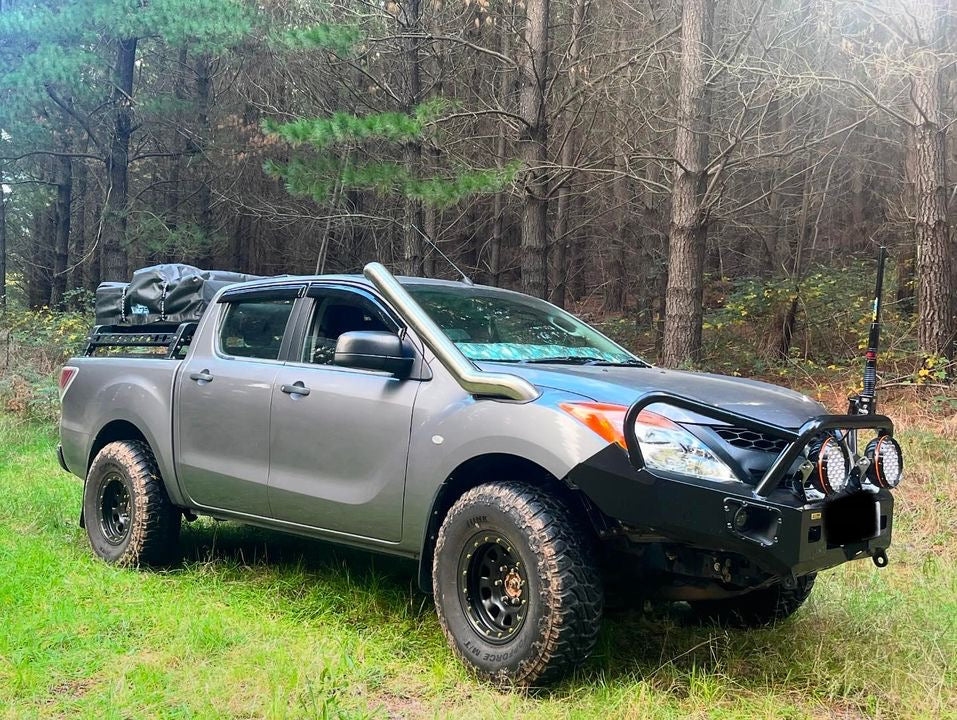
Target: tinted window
(334, 315)
(254, 328)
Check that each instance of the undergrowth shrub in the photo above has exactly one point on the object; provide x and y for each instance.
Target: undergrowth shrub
(34, 344)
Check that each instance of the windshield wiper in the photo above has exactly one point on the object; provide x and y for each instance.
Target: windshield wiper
(570, 360)
(620, 363)
(562, 360)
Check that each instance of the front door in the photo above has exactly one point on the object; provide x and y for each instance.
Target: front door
(339, 448)
(222, 403)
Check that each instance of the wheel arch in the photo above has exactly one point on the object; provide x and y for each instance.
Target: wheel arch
(126, 426)
(484, 468)
(114, 431)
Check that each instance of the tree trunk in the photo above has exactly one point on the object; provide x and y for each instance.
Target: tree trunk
(61, 240)
(412, 150)
(37, 272)
(95, 275)
(506, 90)
(935, 254)
(682, 340)
(78, 270)
(204, 98)
(115, 210)
(563, 233)
(533, 146)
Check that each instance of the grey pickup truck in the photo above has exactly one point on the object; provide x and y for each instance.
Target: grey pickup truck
(525, 460)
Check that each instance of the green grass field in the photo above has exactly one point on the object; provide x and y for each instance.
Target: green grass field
(258, 625)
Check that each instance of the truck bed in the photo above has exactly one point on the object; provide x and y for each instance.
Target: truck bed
(116, 390)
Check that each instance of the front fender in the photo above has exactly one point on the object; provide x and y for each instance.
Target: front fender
(450, 427)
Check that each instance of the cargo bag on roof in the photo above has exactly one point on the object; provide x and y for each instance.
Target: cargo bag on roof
(162, 294)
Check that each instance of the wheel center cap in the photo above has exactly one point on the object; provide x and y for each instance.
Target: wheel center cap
(513, 584)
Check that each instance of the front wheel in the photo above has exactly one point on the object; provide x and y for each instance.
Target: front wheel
(517, 590)
(128, 515)
(758, 607)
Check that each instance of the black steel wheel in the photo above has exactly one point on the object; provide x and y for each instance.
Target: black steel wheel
(495, 582)
(115, 509)
(128, 516)
(517, 590)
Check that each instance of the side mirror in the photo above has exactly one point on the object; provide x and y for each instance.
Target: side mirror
(373, 350)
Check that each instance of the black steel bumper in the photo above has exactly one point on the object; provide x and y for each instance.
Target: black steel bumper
(782, 533)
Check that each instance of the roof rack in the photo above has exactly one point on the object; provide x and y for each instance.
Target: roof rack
(172, 337)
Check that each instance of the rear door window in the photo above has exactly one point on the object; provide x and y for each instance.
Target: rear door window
(254, 328)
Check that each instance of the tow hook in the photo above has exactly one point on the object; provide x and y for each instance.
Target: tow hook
(880, 558)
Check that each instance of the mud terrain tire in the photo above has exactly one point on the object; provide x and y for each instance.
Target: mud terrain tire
(517, 590)
(128, 515)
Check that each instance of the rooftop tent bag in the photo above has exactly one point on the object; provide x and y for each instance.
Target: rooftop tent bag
(110, 304)
(162, 294)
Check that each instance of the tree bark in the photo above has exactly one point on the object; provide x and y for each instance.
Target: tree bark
(115, 206)
(412, 150)
(506, 91)
(204, 99)
(937, 325)
(563, 232)
(61, 239)
(682, 339)
(533, 147)
(78, 270)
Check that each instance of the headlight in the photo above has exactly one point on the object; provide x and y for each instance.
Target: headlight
(664, 444)
(887, 462)
(832, 466)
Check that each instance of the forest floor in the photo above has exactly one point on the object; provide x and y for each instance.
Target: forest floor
(255, 624)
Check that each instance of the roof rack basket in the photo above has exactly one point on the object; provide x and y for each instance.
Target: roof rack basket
(172, 337)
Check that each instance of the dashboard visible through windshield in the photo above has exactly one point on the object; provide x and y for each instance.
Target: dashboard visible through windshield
(490, 325)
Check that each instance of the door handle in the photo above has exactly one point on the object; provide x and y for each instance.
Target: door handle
(202, 376)
(296, 388)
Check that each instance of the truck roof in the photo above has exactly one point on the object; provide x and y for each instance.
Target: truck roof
(359, 279)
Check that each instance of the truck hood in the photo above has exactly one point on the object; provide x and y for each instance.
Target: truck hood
(623, 385)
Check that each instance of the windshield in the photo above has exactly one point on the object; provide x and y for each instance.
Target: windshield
(505, 327)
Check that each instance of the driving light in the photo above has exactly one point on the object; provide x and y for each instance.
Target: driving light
(831, 466)
(887, 462)
(664, 444)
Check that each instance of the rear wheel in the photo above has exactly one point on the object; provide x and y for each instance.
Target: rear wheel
(128, 515)
(759, 607)
(516, 588)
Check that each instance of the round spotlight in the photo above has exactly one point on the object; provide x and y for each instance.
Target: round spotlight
(831, 466)
(887, 462)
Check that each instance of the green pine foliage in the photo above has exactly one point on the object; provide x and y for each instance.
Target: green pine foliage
(340, 39)
(317, 177)
(331, 141)
(342, 127)
(66, 44)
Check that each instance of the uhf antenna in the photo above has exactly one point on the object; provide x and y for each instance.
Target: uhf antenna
(866, 402)
(465, 278)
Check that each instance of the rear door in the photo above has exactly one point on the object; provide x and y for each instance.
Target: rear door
(223, 399)
(338, 454)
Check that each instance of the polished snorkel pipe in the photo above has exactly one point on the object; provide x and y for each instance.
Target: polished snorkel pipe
(472, 380)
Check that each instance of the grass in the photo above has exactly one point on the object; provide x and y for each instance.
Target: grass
(259, 625)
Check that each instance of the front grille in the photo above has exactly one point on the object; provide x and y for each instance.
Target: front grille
(751, 440)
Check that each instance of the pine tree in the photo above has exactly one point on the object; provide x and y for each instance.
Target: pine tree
(370, 152)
